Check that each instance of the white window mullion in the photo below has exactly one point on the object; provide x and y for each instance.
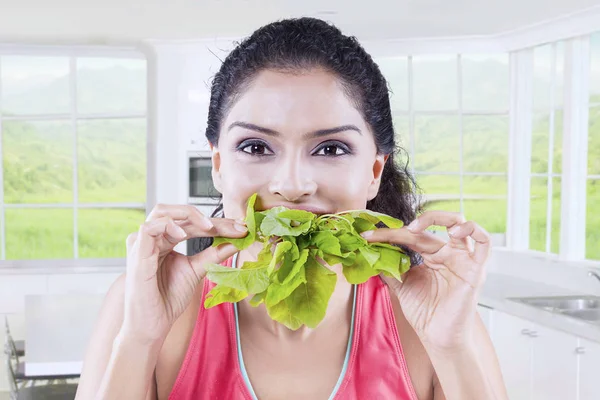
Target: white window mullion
(550, 183)
(3, 211)
(411, 115)
(461, 166)
(575, 149)
(519, 163)
(73, 96)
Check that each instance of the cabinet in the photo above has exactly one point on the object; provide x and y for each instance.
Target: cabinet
(513, 348)
(589, 365)
(542, 363)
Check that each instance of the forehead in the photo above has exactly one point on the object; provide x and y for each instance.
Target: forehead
(311, 99)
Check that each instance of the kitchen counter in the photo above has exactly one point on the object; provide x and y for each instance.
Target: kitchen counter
(499, 288)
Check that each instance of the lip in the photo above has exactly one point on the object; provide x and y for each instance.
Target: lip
(312, 209)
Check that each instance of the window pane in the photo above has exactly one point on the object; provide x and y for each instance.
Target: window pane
(437, 144)
(485, 82)
(112, 161)
(395, 71)
(109, 85)
(595, 68)
(543, 57)
(435, 83)
(401, 128)
(592, 245)
(485, 201)
(594, 142)
(541, 141)
(440, 192)
(39, 234)
(38, 161)
(34, 85)
(102, 232)
(485, 143)
(538, 217)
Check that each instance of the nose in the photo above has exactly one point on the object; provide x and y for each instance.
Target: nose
(292, 180)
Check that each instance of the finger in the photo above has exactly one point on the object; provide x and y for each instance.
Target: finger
(211, 255)
(438, 218)
(424, 242)
(481, 237)
(197, 224)
(164, 232)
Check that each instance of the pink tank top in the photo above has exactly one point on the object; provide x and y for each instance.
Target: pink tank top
(375, 367)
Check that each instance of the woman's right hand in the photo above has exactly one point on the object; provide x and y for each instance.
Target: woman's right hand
(160, 282)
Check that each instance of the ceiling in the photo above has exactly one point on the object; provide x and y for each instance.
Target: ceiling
(127, 21)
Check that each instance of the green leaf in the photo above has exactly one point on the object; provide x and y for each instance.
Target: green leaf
(326, 242)
(258, 298)
(375, 218)
(252, 278)
(280, 250)
(360, 271)
(273, 225)
(369, 254)
(223, 294)
(308, 303)
(246, 241)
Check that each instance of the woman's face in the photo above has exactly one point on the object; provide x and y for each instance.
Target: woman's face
(297, 141)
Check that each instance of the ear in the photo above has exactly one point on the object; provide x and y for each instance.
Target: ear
(378, 165)
(216, 168)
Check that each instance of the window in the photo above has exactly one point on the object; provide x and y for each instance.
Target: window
(546, 150)
(73, 155)
(451, 115)
(593, 177)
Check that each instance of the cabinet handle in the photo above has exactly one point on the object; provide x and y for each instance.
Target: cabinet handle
(533, 334)
(579, 350)
(525, 332)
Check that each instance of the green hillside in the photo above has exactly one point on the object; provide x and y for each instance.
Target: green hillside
(38, 168)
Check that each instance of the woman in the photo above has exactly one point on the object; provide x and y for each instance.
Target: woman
(299, 114)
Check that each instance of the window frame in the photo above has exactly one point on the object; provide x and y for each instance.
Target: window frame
(73, 53)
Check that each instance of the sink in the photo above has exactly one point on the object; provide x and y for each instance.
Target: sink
(583, 307)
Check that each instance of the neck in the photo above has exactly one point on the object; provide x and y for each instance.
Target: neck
(337, 316)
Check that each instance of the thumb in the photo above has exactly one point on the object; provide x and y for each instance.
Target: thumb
(211, 255)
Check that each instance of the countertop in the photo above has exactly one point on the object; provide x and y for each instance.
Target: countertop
(498, 290)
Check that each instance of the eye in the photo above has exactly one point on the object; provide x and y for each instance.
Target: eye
(332, 149)
(255, 148)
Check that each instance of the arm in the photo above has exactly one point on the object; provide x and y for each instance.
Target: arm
(107, 357)
(473, 373)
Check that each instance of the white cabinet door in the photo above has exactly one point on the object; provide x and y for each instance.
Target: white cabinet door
(589, 370)
(513, 347)
(554, 364)
(486, 316)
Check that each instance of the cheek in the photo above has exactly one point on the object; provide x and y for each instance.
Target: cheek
(238, 182)
(347, 185)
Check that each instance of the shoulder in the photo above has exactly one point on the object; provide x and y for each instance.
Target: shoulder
(419, 366)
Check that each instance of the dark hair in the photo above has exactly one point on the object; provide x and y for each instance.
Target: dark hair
(294, 45)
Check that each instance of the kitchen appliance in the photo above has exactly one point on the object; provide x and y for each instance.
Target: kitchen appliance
(201, 192)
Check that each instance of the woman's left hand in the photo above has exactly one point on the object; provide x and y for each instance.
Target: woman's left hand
(439, 296)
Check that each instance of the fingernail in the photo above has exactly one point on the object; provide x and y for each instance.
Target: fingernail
(240, 227)
(241, 222)
(208, 223)
(413, 225)
(367, 234)
(180, 232)
(453, 231)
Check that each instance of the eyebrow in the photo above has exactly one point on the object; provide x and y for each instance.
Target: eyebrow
(313, 134)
